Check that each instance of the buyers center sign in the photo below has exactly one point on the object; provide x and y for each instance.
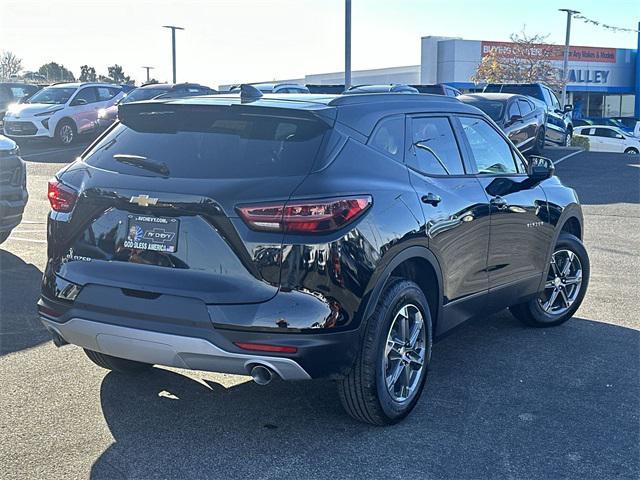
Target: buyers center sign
(550, 52)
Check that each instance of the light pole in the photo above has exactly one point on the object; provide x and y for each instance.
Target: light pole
(565, 63)
(147, 69)
(173, 46)
(347, 44)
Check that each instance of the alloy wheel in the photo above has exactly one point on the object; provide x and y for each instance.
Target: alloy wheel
(562, 286)
(66, 134)
(567, 140)
(404, 355)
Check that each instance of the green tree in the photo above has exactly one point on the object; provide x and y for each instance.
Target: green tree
(116, 74)
(10, 64)
(55, 72)
(87, 74)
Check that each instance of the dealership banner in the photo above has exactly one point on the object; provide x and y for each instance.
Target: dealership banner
(551, 52)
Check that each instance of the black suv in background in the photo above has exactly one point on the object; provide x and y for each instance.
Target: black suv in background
(559, 127)
(304, 236)
(13, 187)
(519, 117)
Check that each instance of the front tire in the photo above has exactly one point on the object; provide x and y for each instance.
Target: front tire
(66, 132)
(567, 138)
(631, 151)
(565, 286)
(389, 373)
(116, 364)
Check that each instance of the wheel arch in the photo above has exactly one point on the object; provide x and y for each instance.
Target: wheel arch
(571, 221)
(417, 264)
(61, 120)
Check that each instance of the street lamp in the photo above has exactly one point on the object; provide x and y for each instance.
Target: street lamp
(147, 69)
(173, 46)
(347, 44)
(565, 63)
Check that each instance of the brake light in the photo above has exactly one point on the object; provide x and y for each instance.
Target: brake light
(262, 347)
(312, 216)
(61, 197)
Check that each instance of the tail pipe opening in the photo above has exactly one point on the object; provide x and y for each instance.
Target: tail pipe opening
(262, 375)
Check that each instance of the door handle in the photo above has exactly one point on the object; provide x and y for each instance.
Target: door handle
(499, 202)
(431, 199)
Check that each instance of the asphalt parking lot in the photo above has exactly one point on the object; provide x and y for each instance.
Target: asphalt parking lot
(502, 401)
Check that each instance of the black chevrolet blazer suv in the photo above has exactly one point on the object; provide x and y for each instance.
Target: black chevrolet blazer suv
(304, 236)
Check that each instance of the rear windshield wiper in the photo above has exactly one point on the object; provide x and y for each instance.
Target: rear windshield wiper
(142, 162)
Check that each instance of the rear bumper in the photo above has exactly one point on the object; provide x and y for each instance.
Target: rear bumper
(165, 349)
(178, 331)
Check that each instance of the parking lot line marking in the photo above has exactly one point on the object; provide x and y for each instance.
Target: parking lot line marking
(33, 222)
(30, 231)
(567, 156)
(27, 240)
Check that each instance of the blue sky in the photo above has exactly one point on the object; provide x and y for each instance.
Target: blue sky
(254, 40)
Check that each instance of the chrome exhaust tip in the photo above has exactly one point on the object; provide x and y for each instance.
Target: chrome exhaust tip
(261, 374)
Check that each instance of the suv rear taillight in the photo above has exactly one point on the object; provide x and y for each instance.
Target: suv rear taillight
(61, 197)
(305, 216)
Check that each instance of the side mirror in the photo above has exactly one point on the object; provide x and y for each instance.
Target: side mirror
(540, 168)
(515, 118)
(78, 101)
(568, 108)
(619, 136)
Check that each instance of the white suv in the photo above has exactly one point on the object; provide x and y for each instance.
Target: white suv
(604, 138)
(60, 111)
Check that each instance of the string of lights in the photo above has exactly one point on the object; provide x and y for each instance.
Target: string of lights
(578, 16)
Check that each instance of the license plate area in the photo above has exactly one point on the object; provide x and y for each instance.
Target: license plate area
(158, 234)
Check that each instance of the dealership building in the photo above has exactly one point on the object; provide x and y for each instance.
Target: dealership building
(603, 82)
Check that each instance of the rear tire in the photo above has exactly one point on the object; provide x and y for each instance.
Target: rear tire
(66, 132)
(116, 364)
(547, 310)
(397, 344)
(4, 236)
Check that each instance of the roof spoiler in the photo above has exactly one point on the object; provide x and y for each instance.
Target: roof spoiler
(249, 93)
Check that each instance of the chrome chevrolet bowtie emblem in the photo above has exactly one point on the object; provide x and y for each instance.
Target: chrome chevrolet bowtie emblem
(143, 200)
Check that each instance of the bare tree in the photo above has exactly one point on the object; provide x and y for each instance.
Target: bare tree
(528, 59)
(10, 64)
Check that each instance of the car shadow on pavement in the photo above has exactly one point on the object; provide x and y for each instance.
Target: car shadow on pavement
(502, 400)
(20, 327)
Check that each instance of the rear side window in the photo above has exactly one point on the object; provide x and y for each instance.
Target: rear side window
(492, 153)
(513, 110)
(605, 132)
(435, 150)
(388, 137)
(525, 107)
(211, 142)
(105, 93)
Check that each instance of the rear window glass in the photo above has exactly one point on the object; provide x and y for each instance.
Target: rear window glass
(526, 90)
(210, 143)
(493, 108)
